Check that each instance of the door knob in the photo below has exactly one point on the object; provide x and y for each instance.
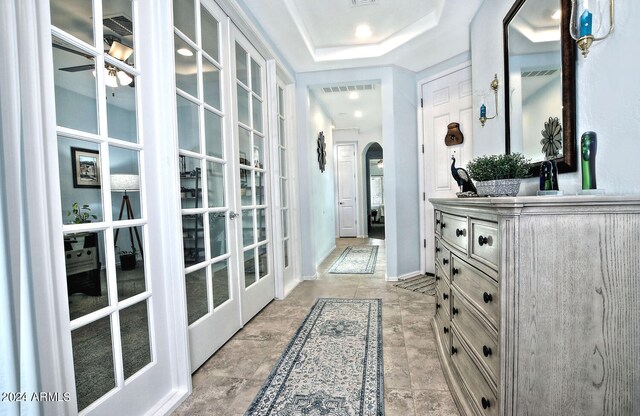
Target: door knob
(233, 215)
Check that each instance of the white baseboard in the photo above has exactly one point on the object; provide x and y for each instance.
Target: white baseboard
(402, 277)
(292, 285)
(314, 277)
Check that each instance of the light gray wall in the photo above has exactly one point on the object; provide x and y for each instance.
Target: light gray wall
(608, 97)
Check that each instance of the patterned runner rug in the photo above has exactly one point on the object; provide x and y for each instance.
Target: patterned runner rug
(356, 260)
(332, 366)
(421, 284)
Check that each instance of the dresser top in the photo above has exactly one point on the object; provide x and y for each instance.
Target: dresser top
(566, 203)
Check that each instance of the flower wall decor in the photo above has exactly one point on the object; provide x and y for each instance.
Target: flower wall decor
(322, 152)
(551, 138)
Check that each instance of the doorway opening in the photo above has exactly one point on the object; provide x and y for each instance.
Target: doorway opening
(374, 163)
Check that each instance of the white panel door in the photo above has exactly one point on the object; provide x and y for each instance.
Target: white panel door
(346, 175)
(446, 99)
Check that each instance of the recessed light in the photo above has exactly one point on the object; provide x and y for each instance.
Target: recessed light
(185, 52)
(357, 114)
(353, 95)
(556, 15)
(363, 31)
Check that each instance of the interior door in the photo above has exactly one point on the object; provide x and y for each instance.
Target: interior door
(346, 177)
(446, 99)
(253, 226)
(206, 172)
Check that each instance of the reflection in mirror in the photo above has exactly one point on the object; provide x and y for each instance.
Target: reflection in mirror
(193, 238)
(130, 270)
(121, 110)
(217, 234)
(125, 183)
(540, 82)
(188, 122)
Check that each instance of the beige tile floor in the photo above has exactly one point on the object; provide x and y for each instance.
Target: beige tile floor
(413, 381)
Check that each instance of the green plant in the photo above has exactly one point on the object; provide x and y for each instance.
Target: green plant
(492, 167)
(81, 214)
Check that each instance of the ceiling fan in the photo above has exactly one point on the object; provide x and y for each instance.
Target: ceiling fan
(113, 75)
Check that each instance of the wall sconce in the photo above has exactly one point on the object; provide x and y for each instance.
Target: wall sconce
(483, 108)
(581, 24)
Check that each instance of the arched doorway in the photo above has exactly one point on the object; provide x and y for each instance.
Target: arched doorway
(375, 191)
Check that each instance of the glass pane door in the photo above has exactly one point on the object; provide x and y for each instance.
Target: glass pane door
(254, 223)
(205, 176)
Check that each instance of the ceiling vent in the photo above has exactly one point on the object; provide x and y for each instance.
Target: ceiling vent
(362, 2)
(348, 88)
(120, 24)
(541, 73)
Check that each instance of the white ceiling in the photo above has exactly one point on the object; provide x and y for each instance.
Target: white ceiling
(342, 109)
(320, 35)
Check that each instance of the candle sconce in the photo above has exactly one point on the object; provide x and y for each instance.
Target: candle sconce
(483, 108)
(581, 30)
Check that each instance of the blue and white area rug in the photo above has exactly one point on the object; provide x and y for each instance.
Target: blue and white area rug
(332, 366)
(356, 260)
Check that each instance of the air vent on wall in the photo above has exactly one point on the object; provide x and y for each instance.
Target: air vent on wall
(348, 88)
(541, 73)
(120, 24)
(362, 2)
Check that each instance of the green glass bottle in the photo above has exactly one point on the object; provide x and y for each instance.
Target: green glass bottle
(589, 147)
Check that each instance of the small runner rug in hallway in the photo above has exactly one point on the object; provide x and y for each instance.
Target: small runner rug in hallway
(422, 284)
(356, 260)
(332, 366)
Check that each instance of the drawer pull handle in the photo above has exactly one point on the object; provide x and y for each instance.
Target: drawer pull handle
(437, 277)
(437, 306)
(443, 224)
(486, 351)
(437, 222)
(459, 232)
(446, 330)
(454, 350)
(437, 249)
(455, 311)
(445, 261)
(485, 403)
(455, 271)
(482, 241)
(445, 296)
(487, 297)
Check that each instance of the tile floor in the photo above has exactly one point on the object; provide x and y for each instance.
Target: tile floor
(413, 381)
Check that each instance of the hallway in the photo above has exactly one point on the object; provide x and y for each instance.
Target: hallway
(227, 383)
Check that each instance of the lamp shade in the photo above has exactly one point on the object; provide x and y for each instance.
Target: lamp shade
(125, 182)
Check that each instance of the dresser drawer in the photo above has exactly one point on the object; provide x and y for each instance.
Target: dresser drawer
(480, 339)
(481, 394)
(454, 231)
(484, 242)
(477, 287)
(443, 257)
(443, 297)
(444, 330)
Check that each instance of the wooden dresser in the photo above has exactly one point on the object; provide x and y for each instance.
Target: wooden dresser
(538, 309)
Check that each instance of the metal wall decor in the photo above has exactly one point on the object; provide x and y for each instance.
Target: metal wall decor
(322, 152)
(454, 135)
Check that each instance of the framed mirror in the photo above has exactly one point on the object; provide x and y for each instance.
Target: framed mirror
(539, 62)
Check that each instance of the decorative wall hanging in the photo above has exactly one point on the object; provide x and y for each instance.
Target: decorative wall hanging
(322, 152)
(86, 168)
(454, 135)
(551, 138)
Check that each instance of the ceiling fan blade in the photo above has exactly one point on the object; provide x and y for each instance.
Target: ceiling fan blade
(78, 68)
(120, 51)
(74, 51)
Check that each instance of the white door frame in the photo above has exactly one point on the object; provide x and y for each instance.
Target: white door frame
(421, 160)
(357, 202)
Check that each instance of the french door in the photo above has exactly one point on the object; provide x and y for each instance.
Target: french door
(223, 176)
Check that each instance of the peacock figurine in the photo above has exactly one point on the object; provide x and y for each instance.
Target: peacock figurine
(462, 178)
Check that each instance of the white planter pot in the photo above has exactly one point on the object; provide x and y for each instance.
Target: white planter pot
(499, 187)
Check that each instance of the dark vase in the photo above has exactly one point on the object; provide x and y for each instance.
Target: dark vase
(589, 147)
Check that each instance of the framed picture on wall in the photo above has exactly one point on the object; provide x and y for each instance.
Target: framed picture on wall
(86, 168)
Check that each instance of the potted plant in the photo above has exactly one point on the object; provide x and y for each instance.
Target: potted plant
(498, 175)
(128, 259)
(81, 214)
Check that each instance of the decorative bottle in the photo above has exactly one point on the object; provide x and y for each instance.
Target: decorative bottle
(589, 147)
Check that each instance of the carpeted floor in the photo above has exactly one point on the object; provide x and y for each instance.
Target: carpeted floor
(332, 366)
(423, 284)
(356, 260)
